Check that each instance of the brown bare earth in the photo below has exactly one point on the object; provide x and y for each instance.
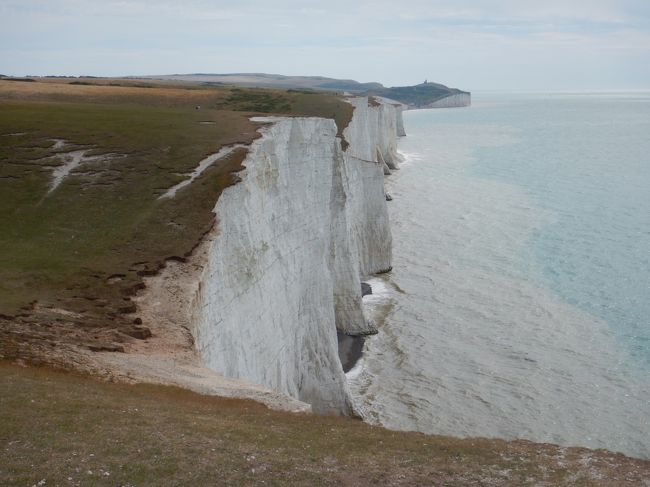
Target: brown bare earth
(70, 431)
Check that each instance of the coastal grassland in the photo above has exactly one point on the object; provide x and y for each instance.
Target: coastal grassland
(85, 246)
(70, 430)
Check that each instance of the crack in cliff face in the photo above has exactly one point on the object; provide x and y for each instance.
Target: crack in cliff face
(282, 271)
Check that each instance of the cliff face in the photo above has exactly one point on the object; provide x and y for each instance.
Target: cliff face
(452, 101)
(294, 238)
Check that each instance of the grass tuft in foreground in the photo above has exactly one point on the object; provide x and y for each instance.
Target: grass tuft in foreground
(73, 431)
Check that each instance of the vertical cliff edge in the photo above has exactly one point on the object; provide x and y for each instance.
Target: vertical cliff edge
(282, 271)
(452, 101)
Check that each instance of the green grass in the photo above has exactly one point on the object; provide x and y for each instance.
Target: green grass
(258, 101)
(59, 427)
(59, 249)
(101, 223)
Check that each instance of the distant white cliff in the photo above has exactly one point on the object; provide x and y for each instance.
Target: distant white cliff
(307, 221)
(452, 101)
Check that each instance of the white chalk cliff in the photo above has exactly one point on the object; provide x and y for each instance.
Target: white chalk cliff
(452, 101)
(307, 221)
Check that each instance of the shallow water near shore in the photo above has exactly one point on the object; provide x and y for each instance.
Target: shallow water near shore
(519, 302)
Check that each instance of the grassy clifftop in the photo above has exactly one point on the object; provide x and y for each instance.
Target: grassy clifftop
(84, 245)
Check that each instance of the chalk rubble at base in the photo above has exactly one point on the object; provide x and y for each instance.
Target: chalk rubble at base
(168, 369)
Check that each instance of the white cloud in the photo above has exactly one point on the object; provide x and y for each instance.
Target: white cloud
(470, 43)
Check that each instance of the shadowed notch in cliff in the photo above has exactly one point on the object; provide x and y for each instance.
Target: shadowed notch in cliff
(350, 349)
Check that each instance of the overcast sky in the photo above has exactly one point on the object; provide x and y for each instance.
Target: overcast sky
(473, 44)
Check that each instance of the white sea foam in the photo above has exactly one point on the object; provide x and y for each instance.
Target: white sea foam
(408, 157)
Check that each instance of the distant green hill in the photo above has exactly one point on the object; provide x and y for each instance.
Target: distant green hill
(417, 96)
(263, 80)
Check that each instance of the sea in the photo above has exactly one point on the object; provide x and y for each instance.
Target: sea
(519, 301)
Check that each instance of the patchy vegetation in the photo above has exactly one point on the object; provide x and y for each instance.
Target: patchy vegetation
(83, 246)
(67, 430)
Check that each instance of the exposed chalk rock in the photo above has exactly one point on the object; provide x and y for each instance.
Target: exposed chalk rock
(295, 236)
(400, 120)
(71, 161)
(452, 101)
(58, 143)
(200, 168)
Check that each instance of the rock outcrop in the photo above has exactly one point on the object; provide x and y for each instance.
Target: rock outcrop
(452, 101)
(295, 237)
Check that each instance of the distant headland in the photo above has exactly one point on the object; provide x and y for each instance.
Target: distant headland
(424, 95)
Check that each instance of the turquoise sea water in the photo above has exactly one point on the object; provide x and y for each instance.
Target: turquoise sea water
(521, 286)
(586, 158)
